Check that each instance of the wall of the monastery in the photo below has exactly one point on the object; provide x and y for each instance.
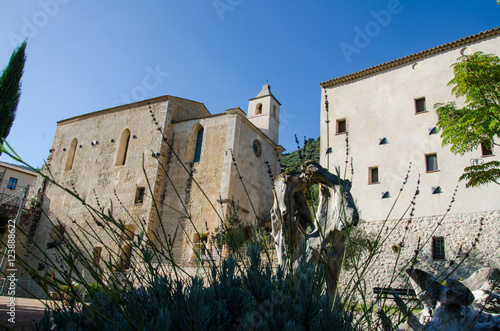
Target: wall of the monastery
(185, 206)
(97, 179)
(382, 105)
(459, 232)
(183, 109)
(268, 125)
(94, 171)
(254, 171)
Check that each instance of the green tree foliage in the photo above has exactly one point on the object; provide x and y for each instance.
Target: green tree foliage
(233, 233)
(292, 162)
(10, 89)
(477, 78)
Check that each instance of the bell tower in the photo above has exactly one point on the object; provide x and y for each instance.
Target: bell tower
(264, 113)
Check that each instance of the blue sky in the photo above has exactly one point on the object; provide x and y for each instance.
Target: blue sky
(85, 56)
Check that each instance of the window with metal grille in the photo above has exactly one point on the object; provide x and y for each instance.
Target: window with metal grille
(438, 252)
(200, 246)
(139, 196)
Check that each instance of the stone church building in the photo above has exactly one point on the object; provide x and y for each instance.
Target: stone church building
(387, 112)
(166, 166)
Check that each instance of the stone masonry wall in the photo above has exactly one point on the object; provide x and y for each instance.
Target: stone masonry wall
(459, 232)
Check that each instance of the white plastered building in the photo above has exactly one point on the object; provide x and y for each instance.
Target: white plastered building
(387, 113)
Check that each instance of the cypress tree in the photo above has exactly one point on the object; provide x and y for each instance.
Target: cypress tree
(10, 89)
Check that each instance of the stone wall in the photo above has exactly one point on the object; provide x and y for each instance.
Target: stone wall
(401, 238)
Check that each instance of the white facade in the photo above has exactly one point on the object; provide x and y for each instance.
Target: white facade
(263, 112)
(381, 103)
(14, 179)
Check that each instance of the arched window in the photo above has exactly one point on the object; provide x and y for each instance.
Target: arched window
(199, 142)
(123, 148)
(258, 109)
(274, 111)
(71, 155)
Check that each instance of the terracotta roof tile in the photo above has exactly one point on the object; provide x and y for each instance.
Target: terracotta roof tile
(411, 58)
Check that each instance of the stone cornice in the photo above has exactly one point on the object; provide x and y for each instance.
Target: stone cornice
(264, 96)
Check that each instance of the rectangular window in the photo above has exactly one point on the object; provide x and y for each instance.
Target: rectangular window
(486, 150)
(12, 183)
(373, 175)
(341, 126)
(438, 252)
(139, 196)
(431, 162)
(420, 106)
(200, 245)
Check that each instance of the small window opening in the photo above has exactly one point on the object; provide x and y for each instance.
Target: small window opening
(139, 196)
(486, 149)
(373, 175)
(199, 142)
(341, 126)
(420, 106)
(385, 195)
(436, 190)
(12, 183)
(431, 162)
(258, 109)
(200, 245)
(438, 252)
(71, 155)
(432, 130)
(382, 141)
(274, 111)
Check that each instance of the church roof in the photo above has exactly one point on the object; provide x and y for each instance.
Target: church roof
(411, 58)
(131, 105)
